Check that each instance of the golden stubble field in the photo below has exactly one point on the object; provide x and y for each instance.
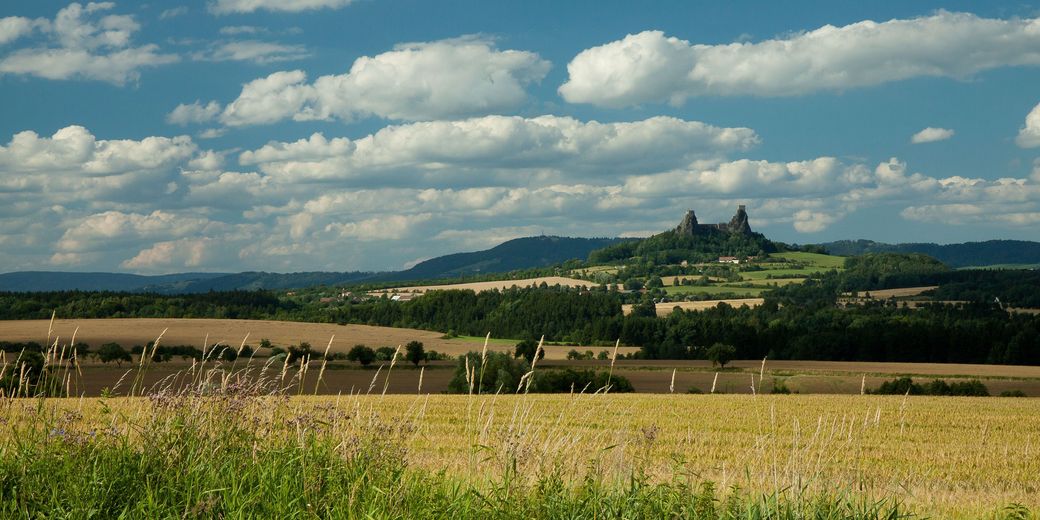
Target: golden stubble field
(139, 331)
(943, 457)
(647, 376)
(664, 309)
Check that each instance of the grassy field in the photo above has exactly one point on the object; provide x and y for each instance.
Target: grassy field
(488, 286)
(664, 309)
(813, 259)
(714, 290)
(251, 453)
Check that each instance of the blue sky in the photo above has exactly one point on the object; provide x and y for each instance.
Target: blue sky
(293, 135)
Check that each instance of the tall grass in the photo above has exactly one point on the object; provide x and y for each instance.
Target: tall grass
(226, 440)
(240, 455)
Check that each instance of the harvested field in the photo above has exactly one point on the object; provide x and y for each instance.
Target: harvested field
(840, 367)
(489, 286)
(139, 331)
(903, 292)
(664, 309)
(346, 378)
(939, 457)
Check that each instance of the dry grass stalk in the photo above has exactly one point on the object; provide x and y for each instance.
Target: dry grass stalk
(671, 387)
(421, 370)
(469, 380)
(374, 378)
(393, 360)
(714, 382)
(50, 326)
(534, 361)
(613, 358)
(483, 361)
(324, 361)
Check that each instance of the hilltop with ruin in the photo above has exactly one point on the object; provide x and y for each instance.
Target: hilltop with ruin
(738, 225)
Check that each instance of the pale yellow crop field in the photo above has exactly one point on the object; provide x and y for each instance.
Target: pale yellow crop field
(882, 294)
(943, 457)
(493, 285)
(139, 331)
(664, 309)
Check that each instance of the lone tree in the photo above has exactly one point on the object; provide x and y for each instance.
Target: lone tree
(303, 351)
(721, 353)
(415, 352)
(526, 349)
(113, 352)
(362, 354)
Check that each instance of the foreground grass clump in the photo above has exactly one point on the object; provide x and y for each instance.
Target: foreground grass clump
(192, 456)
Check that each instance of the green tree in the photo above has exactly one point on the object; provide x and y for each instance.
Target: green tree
(721, 353)
(415, 352)
(501, 373)
(113, 352)
(228, 354)
(303, 351)
(361, 354)
(526, 349)
(385, 353)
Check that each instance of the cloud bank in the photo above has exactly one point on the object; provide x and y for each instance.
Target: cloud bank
(650, 67)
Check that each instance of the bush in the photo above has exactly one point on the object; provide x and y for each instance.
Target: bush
(562, 381)
(502, 373)
(906, 385)
(720, 354)
(385, 353)
(415, 352)
(433, 355)
(362, 354)
(779, 387)
(527, 349)
(113, 352)
(302, 351)
(1012, 393)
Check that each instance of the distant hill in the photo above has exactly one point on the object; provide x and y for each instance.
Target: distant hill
(519, 253)
(690, 241)
(62, 281)
(990, 252)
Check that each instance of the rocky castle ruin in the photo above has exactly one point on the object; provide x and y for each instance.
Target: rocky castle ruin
(737, 225)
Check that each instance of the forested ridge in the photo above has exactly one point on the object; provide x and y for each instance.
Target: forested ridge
(799, 321)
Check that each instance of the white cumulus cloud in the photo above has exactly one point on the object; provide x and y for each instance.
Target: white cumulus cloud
(194, 113)
(255, 51)
(175, 254)
(447, 150)
(931, 135)
(84, 43)
(15, 27)
(652, 67)
(1029, 134)
(249, 6)
(417, 81)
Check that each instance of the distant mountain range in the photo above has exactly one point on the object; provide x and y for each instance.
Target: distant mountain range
(968, 254)
(520, 253)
